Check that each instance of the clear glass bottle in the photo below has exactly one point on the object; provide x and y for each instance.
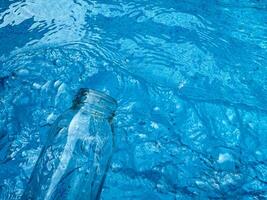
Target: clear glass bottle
(74, 162)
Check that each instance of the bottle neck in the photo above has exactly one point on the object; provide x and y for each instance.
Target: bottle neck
(95, 102)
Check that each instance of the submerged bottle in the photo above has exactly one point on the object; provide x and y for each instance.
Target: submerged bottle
(74, 162)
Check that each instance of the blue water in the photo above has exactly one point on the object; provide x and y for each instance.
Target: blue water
(190, 78)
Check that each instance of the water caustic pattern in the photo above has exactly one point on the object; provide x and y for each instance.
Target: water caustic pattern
(190, 79)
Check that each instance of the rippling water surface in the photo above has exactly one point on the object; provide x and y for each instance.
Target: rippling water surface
(190, 78)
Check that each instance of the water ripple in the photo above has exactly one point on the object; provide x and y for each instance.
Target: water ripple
(189, 77)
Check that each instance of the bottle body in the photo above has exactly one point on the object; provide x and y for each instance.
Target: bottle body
(74, 162)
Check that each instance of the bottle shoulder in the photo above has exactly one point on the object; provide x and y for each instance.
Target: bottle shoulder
(77, 123)
(61, 123)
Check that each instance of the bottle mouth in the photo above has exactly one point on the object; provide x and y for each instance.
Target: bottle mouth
(95, 102)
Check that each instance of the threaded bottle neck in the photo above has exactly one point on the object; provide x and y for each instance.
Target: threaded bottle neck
(95, 102)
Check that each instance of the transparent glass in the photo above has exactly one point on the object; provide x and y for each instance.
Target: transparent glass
(74, 162)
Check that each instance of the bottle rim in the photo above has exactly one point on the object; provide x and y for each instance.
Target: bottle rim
(96, 102)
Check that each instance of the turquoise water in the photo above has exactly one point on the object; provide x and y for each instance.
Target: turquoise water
(190, 78)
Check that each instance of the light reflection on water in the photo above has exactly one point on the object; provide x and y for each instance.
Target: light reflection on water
(190, 78)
